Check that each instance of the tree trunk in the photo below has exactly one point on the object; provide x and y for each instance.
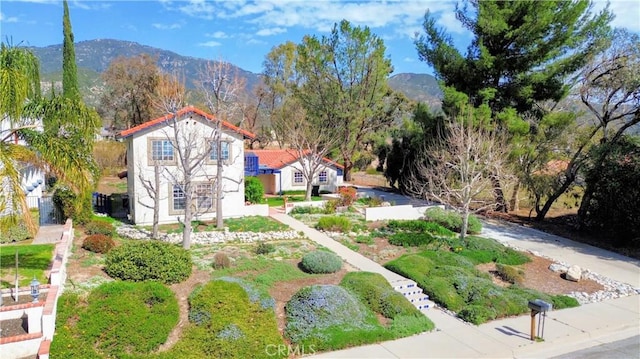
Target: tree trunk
(348, 166)
(547, 205)
(219, 189)
(465, 224)
(186, 234)
(498, 193)
(156, 201)
(515, 205)
(307, 194)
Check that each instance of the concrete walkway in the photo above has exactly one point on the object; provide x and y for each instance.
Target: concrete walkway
(565, 330)
(49, 233)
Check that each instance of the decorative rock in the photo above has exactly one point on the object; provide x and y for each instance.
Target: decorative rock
(558, 268)
(574, 273)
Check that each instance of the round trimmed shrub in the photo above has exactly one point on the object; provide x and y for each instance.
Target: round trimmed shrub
(149, 260)
(98, 243)
(253, 190)
(321, 262)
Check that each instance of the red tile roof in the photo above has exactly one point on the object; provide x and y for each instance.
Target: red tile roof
(186, 110)
(277, 159)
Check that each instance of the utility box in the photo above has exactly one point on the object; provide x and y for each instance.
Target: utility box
(540, 305)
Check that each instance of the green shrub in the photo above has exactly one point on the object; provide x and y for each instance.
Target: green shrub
(564, 301)
(411, 239)
(477, 314)
(334, 224)
(321, 262)
(365, 239)
(253, 190)
(452, 220)
(420, 226)
(15, 233)
(331, 205)
(226, 323)
(265, 248)
(99, 227)
(149, 260)
(307, 210)
(374, 290)
(510, 274)
(221, 261)
(118, 319)
(98, 243)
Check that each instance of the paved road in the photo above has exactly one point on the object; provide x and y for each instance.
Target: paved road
(621, 349)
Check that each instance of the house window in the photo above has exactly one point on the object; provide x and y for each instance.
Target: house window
(322, 177)
(160, 150)
(202, 197)
(298, 178)
(179, 200)
(225, 151)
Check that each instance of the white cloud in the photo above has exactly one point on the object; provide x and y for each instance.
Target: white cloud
(8, 19)
(627, 14)
(166, 26)
(409, 59)
(271, 31)
(218, 35)
(256, 42)
(209, 44)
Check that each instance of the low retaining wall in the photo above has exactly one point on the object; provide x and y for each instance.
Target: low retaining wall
(257, 210)
(41, 316)
(402, 212)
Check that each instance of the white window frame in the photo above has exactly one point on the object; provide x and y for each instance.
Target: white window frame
(225, 159)
(294, 173)
(199, 188)
(325, 174)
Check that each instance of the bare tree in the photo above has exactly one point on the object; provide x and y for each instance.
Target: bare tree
(152, 188)
(457, 170)
(222, 89)
(190, 142)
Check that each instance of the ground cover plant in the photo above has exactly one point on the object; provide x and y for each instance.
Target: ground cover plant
(452, 220)
(374, 290)
(117, 319)
(451, 280)
(33, 261)
(329, 317)
(225, 321)
(149, 260)
(321, 262)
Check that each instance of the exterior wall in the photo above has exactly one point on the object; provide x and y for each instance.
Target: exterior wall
(269, 182)
(402, 212)
(286, 173)
(138, 162)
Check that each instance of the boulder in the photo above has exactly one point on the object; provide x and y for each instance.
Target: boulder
(574, 273)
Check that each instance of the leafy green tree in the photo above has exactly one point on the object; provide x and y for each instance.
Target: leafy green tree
(522, 54)
(343, 80)
(613, 206)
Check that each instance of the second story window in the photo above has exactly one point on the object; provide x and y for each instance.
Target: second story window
(225, 151)
(162, 150)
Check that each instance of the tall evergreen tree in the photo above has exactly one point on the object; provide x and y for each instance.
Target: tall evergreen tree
(523, 53)
(69, 68)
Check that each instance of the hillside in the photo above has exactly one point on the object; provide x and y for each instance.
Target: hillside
(94, 56)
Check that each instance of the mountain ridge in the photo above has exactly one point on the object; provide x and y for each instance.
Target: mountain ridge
(94, 56)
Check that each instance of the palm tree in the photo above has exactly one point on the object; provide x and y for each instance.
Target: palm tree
(59, 142)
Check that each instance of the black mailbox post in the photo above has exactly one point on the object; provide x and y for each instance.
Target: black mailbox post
(538, 306)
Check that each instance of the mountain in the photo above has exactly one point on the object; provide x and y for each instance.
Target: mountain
(94, 56)
(418, 87)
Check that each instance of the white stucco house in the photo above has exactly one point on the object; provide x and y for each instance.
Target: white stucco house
(281, 170)
(32, 179)
(159, 142)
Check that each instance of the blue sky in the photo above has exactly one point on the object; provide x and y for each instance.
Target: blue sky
(243, 32)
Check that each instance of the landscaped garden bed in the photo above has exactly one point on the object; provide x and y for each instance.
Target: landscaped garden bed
(235, 302)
